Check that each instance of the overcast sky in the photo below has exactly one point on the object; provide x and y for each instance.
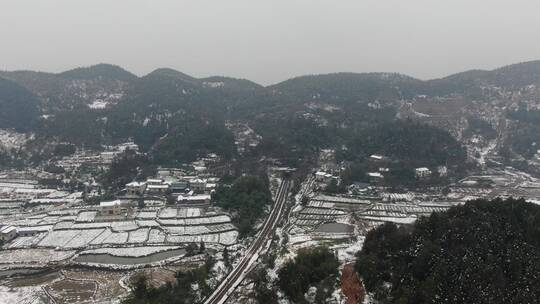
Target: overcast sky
(270, 41)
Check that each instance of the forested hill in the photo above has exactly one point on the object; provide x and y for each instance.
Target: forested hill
(177, 116)
(104, 71)
(18, 107)
(352, 87)
(367, 87)
(79, 88)
(482, 252)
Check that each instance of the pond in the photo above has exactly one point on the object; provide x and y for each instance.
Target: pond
(335, 228)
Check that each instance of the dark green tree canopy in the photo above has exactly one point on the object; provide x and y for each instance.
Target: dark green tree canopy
(481, 252)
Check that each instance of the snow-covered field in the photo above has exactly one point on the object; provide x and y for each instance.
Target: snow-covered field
(87, 230)
(147, 214)
(25, 241)
(116, 238)
(86, 216)
(138, 236)
(131, 251)
(156, 236)
(22, 295)
(168, 213)
(58, 238)
(18, 256)
(83, 238)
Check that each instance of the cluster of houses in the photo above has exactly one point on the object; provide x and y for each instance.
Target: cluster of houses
(93, 159)
(378, 166)
(378, 162)
(181, 189)
(171, 185)
(185, 186)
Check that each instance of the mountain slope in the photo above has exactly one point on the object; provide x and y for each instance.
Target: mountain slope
(351, 87)
(103, 71)
(18, 106)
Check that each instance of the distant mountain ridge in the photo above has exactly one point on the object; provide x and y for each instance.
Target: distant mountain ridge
(173, 114)
(102, 70)
(351, 85)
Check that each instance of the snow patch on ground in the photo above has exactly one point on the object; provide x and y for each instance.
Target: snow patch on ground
(98, 104)
(347, 254)
(12, 140)
(130, 251)
(34, 255)
(23, 295)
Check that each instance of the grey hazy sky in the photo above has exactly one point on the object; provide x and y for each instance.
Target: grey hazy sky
(269, 41)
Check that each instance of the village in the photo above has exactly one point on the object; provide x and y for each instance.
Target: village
(166, 219)
(342, 220)
(169, 220)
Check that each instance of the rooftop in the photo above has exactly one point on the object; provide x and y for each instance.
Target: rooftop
(110, 203)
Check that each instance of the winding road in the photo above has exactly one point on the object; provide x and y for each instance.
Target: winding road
(235, 277)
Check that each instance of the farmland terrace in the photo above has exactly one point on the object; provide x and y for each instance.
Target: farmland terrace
(151, 236)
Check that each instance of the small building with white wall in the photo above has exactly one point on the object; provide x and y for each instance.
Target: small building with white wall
(422, 173)
(8, 233)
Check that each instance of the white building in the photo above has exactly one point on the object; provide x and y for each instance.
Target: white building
(115, 207)
(198, 185)
(323, 177)
(194, 199)
(375, 176)
(376, 157)
(135, 188)
(422, 172)
(8, 233)
(442, 170)
(156, 186)
(157, 189)
(154, 181)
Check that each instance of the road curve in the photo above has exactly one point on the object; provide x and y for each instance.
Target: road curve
(236, 276)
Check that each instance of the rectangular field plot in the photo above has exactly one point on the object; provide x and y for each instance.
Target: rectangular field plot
(220, 227)
(58, 238)
(172, 222)
(187, 230)
(86, 216)
(320, 204)
(189, 212)
(208, 220)
(156, 236)
(124, 226)
(322, 211)
(83, 238)
(117, 238)
(147, 215)
(101, 238)
(228, 238)
(147, 223)
(34, 255)
(91, 225)
(168, 213)
(26, 241)
(138, 236)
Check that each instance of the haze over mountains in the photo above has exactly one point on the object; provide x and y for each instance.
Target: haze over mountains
(84, 85)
